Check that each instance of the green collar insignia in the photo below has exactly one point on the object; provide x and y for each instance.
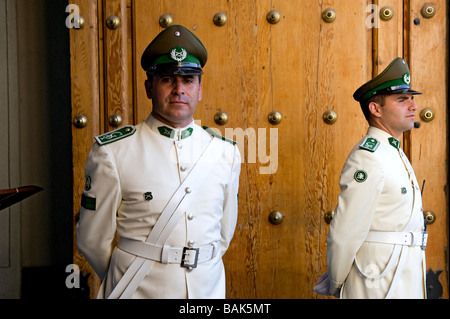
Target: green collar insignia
(170, 133)
(187, 132)
(166, 131)
(394, 142)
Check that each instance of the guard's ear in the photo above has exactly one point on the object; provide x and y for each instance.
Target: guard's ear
(148, 89)
(375, 109)
(200, 91)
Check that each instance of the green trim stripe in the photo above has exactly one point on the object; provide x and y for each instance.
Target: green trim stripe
(383, 86)
(219, 136)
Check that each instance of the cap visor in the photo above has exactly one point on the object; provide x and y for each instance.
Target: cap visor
(413, 92)
(176, 69)
(399, 91)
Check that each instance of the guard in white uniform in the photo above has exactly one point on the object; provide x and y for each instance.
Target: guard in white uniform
(170, 192)
(376, 241)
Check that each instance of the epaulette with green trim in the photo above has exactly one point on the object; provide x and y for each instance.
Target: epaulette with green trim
(219, 136)
(370, 144)
(115, 135)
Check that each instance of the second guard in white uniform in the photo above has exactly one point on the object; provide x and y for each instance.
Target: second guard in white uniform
(376, 241)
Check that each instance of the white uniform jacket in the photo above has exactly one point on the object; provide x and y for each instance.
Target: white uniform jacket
(128, 184)
(379, 192)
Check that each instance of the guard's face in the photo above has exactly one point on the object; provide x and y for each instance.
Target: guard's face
(397, 115)
(174, 98)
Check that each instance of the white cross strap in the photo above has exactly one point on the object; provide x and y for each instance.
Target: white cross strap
(168, 219)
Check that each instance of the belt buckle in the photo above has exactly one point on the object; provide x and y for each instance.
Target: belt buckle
(187, 262)
(424, 240)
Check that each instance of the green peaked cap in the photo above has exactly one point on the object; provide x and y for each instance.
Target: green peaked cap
(395, 79)
(175, 50)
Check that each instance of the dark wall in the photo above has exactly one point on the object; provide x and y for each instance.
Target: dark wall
(46, 146)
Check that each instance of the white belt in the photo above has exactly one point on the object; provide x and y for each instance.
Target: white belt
(399, 238)
(187, 257)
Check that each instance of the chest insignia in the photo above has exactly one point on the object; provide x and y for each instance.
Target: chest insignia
(360, 176)
(370, 144)
(148, 196)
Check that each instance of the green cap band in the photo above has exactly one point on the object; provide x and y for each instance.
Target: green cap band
(385, 85)
(166, 58)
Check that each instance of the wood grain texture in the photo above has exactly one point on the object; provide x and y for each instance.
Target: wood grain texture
(428, 58)
(116, 66)
(85, 100)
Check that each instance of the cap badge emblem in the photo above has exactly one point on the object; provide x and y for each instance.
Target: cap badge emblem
(178, 54)
(407, 78)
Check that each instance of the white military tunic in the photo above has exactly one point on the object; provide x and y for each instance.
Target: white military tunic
(379, 192)
(130, 181)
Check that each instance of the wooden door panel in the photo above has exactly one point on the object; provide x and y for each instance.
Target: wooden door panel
(427, 57)
(116, 67)
(84, 43)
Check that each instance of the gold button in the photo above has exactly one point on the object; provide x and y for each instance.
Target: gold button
(187, 190)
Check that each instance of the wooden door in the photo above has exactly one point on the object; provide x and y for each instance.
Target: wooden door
(301, 67)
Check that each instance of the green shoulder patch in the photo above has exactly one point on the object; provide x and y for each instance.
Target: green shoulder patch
(219, 136)
(370, 144)
(115, 135)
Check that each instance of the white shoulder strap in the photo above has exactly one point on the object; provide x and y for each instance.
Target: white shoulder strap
(168, 219)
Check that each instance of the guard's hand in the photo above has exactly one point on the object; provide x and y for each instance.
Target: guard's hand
(322, 286)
